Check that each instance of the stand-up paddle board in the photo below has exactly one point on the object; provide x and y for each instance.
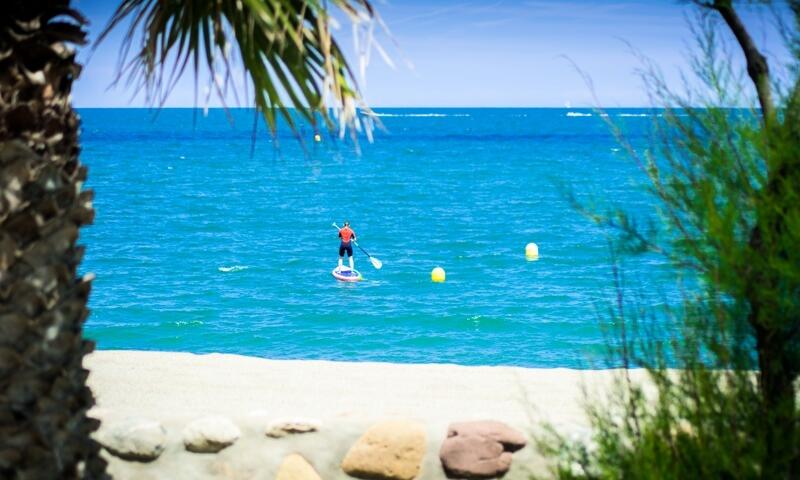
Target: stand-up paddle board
(345, 274)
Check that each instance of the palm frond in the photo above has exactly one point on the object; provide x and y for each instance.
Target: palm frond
(284, 46)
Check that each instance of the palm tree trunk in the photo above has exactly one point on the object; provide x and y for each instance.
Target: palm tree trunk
(44, 430)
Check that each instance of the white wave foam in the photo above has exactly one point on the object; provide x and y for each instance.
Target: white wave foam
(633, 115)
(422, 114)
(235, 268)
(578, 114)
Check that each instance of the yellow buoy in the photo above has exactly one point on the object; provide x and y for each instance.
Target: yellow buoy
(531, 251)
(437, 275)
(317, 137)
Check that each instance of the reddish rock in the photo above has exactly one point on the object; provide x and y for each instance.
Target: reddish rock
(474, 457)
(479, 449)
(511, 439)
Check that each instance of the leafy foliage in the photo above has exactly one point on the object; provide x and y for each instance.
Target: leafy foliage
(727, 183)
(284, 46)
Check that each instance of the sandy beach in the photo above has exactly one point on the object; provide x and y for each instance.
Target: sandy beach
(343, 398)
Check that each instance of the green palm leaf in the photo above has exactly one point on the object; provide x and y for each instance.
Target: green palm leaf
(285, 47)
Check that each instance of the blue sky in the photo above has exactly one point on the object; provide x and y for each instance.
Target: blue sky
(510, 53)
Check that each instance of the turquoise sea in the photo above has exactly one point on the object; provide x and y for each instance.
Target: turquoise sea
(200, 246)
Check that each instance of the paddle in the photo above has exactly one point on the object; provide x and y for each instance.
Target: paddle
(374, 261)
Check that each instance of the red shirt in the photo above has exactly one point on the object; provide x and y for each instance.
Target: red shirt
(346, 234)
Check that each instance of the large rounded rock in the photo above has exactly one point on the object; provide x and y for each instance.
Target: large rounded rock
(283, 427)
(479, 449)
(134, 439)
(474, 457)
(210, 434)
(391, 450)
(295, 467)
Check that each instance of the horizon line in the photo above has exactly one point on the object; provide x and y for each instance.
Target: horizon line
(412, 107)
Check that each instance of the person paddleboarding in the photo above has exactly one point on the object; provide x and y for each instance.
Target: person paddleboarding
(347, 236)
(347, 239)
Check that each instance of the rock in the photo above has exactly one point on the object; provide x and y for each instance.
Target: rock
(391, 450)
(474, 457)
(134, 439)
(281, 428)
(295, 467)
(479, 449)
(210, 434)
(511, 439)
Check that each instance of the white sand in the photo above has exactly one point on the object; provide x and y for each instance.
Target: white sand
(177, 387)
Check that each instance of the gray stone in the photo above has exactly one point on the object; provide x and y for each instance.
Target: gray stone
(283, 427)
(210, 434)
(134, 439)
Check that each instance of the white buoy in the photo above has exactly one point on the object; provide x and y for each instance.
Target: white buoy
(532, 251)
(438, 275)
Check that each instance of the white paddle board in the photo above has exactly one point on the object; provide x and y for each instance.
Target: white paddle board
(345, 274)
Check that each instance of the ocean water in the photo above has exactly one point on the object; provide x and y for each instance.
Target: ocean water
(200, 245)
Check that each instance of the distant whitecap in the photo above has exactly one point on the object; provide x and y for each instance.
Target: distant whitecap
(183, 323)
(578, 114)
(235, 268)
(421, 114)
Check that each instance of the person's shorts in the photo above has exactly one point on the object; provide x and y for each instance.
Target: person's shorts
(345, 247)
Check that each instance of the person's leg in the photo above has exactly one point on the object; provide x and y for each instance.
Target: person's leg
(341, 255)
(350, 257)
